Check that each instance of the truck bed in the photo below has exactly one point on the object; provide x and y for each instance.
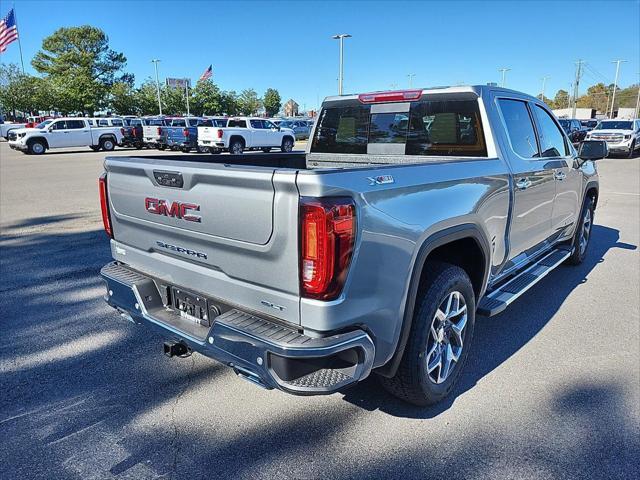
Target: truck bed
(273, 160)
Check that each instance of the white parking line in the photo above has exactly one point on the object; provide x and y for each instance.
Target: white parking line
(624, 193)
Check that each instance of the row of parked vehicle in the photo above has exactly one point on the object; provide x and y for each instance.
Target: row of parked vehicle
(200, 134)
(622, 136)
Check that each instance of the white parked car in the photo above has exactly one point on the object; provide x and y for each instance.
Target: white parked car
(64, 132)
(246, 133)
(5, 128)
(622, 136)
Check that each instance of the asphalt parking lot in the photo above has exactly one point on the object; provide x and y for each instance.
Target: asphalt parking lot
(551, 390)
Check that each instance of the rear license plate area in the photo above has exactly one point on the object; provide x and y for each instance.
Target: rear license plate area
(191, 306)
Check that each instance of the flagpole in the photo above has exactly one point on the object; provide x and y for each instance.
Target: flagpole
(15, 18)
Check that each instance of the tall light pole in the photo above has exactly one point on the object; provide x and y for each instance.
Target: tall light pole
(410, 77)
(155, 61)
(637, 112)
(615, 83)
(576, 87)
(504, 72)
(544, 82)
(186, 93)
(341, 37)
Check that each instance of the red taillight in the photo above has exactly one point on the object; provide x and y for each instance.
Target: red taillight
(219, 133)
(327, 230)
(122, 131)
(104, 204)
(133, 132)
(159, 131)
(383, 97)
(186, 132)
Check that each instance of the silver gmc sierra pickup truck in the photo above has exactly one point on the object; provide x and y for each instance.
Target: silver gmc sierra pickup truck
(410, 213)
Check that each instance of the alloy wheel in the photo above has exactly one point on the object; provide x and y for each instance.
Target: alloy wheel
(444, 345)
(586, 231)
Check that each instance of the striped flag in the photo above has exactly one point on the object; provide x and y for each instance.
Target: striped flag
(8, 30)
(208, 73)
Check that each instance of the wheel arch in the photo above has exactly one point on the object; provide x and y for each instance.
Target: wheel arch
(592, 190)
(237, 137)
(40, 139)
(464, 245)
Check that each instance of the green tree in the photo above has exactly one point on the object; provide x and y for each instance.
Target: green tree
(146, 98)
(173, 100)
(207, 99)
(230, 105)
(248, 102)
(24, 93)
(561, 100)
(272, 102)
(123, 99)
(81, 66)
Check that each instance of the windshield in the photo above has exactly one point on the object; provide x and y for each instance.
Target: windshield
(44, 124)
(617, 125)
(286, 124)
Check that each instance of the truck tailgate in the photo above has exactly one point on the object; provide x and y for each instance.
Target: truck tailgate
(208, 134)
(237, 224)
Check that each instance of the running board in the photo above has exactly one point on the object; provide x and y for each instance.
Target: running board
(499, 299)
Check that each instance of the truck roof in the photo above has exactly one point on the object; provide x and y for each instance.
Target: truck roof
(479, 90)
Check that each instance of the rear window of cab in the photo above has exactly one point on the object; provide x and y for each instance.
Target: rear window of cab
(435, 128)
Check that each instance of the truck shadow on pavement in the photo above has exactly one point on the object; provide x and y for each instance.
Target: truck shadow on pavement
(497, 338)
(84, 394)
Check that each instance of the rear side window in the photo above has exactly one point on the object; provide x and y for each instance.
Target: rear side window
(116, 122)
(237, 123)
(519, 127)
(60, 125)
(551, 138)
(103, 123)
(194, 122)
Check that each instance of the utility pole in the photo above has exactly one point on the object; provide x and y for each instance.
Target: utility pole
(544, 81)
(504, 72)
(186, 91)
(341, 37)
(410, 77)
(155, 62)
(637, 112)
(576, 87)
(615, 84)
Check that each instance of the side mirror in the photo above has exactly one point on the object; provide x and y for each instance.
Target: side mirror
(593, 150)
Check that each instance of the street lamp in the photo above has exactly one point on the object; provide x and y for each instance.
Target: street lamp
(155, 61)
(341, 37)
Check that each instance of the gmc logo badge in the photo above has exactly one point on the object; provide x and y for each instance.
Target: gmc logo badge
(172, 209)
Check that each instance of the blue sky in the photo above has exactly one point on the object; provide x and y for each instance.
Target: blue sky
(287, 45)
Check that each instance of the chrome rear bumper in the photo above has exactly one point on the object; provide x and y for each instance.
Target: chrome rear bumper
(267, 353)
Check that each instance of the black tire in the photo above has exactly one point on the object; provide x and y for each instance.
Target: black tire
(412, 382)
(213, 150)
(266, 149)
(287, 144)
(36, 147)
(161, 147)
(236, 147)
(139, 146)
(632, 149)
(185, 149)
(580, 249)
(95, 148)
(107, 144)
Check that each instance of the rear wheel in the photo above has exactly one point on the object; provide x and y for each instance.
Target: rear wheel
(107, 144)
(632, 149)
(440, 337)
(266, 149)
(214, 150)
(287, 145)
(236, 147)
(139, 146)
(36, 147)
(95, 148)
(583, 233)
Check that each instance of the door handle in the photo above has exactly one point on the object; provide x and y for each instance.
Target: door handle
(560, 175)
(523, 183)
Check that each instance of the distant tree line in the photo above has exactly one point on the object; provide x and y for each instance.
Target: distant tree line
(79, 73)
(598, 96)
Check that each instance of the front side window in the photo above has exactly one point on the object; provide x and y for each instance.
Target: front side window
(551, 138)
(256, 124)
(59, 125)
(519, 127)
(103, 123)
(75, 124)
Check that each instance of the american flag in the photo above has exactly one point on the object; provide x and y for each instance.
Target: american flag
(8, 30)
(207, 73)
